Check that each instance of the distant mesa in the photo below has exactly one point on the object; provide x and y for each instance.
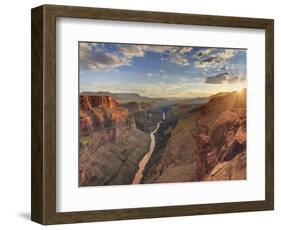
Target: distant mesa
(124, 97)
(106, 93)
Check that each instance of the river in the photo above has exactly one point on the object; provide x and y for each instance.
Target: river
(145, 159)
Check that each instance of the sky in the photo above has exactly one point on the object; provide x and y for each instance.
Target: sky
(160, 70)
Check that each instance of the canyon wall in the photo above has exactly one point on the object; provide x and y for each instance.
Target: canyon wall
(146, 115)
(110, 143)
(208, 144)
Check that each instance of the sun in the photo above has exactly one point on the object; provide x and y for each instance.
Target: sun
(240, 91)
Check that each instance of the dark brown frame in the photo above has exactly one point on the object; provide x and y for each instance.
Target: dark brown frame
(43, 188)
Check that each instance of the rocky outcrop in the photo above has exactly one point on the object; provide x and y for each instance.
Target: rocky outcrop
(99, 112)
(146, 115)
(229, 135)
(89, 102)
(219, 144)
(110, 143)
(224, 157)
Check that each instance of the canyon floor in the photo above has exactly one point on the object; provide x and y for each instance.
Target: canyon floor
(130, 139)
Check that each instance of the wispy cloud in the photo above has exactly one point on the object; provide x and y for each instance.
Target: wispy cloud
(152, 75)
(237, 79)
(204, 52)
(93, 57)
(217, 79)
(130, 51)
(224, 78)
(175, 55)
(214, 58)
(178, 59)
(166, 49)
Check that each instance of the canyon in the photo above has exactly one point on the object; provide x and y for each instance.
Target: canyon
(208, 144)
(124, 138)
(113, 139)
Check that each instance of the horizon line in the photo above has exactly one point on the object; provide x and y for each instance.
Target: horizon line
(163, 97)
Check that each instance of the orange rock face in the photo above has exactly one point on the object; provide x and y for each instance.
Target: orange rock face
(221, 145)
(208, 144)
(100, 112)
(90, 102)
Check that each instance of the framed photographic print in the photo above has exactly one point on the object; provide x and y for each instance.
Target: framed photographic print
(148, 114)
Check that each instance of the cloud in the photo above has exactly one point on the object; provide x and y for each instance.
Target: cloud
(84, 50)
(178, 59)
(105, 61)
(227, 53)
(93, 56)
(96, 59)
(185, 49)
(224, 78)
(167, 49)
(175, 55)
(161, 73)
(153, 74)
(131, 51)
(237, 79)
(211, 61)
(96, 56)
(217, 79)
(215, 60)
(184, 79)
(204, 52)
(158, 49)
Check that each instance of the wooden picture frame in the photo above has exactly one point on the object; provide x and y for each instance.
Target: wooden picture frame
(43, 208)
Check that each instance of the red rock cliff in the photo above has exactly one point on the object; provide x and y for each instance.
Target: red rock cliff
(98, 112)
(90, 102)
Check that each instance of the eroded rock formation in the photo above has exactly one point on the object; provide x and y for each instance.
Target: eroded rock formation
(110, 144)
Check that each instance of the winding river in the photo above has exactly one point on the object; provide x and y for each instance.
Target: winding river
(145, 159)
